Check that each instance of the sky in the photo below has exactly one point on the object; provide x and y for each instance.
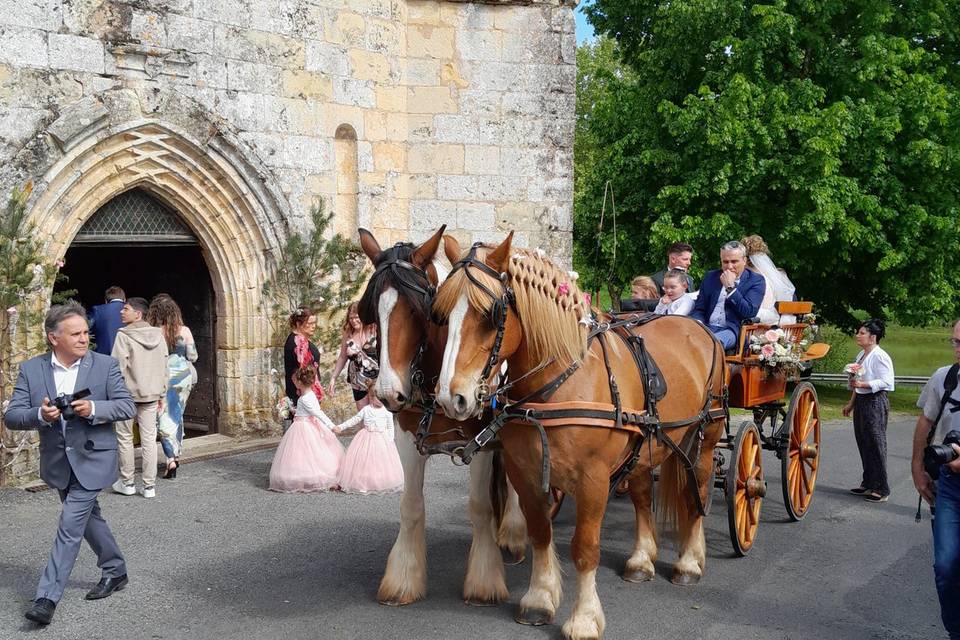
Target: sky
(584, 30)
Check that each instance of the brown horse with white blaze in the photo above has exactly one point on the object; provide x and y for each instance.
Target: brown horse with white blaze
(512, 304)
(398, 298)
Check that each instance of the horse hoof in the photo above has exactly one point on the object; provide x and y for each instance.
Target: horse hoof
(510, 558)
(396, 602)
(534, 617)
(479, 602)
(637, 575)
(685, 579)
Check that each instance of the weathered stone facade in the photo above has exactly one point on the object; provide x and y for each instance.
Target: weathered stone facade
(401, 114)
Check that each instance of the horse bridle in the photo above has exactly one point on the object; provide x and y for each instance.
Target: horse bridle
(499, 310)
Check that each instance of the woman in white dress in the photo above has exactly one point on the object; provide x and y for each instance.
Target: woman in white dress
(778, 284)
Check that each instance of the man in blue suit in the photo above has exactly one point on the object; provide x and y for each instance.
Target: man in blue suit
(105, 319)
(78, 448)
(729, 295)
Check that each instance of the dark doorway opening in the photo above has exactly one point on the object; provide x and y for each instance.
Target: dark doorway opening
(146, 270)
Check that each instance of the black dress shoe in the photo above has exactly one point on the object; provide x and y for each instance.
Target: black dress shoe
(106, 586)
(42, 611)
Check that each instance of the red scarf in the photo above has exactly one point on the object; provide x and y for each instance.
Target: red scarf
(305, 359)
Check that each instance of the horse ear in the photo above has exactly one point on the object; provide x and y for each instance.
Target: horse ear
(369, 244)
(423, 255)
(499, 258)
(451, 248)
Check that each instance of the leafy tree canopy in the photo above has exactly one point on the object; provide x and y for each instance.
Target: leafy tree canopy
(830, 128)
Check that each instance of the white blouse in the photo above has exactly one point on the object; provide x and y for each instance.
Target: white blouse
(375, 419)
(309, 406)
(682, 306)
(877, 371)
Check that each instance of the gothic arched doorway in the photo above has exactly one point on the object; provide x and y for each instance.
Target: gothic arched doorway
(137, 242)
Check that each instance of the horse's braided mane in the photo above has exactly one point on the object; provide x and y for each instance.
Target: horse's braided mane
(400, 279)
(549, 303)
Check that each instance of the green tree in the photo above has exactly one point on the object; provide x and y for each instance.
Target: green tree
(324, 272)
(830, 128)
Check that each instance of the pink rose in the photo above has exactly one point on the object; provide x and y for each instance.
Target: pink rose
(771, 335)
(563, 289)
(587, 298)
(767, 350)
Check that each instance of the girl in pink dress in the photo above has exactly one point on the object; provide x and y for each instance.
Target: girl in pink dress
(309, 455)
(372, 464)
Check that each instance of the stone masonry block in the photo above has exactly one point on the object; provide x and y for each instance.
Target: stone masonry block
(24, 47)
(189, 34)
(258, 46)
(365, 158)
(430, 100)
(479, 45)
(385, 36)
(481, 160)
(231, 12)
(457, 187)
(455, 128)
(326, 58)
(491, 76)
(522, 104)
(429, 42)
(306, 84)
(431, 214)
(529, 47)
(34, 14)
(530, 19)
(253, 77)
(75, 118)
(391, 98)
(525, 162)
(389, 156)
(148, 28)
(346, 28)
(475, 216)
(480, 103)
(369, 65)
(350, 91)
(435, 158)
(423, 12)
(468, 15)
(501, 188)
(274, 16)
(422, 72)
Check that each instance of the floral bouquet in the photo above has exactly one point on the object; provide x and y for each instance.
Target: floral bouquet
(778, 352)
(284, 406)
(854, 372)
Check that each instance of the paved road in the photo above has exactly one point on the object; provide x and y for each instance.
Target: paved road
(215, 555)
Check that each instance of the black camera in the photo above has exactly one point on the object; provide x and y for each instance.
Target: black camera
(935, 455)
(63, 401)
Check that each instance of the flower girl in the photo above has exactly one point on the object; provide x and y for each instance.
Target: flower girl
(309, 455)
(372, 464)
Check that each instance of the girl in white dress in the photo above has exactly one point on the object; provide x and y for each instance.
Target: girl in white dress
(309, 455)
(675, 301)
(372, 464)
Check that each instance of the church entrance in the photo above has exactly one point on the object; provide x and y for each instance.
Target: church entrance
(137, 242)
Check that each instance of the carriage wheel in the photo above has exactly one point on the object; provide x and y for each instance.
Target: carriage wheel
(557, 496)
(745, 488)
(801, 455)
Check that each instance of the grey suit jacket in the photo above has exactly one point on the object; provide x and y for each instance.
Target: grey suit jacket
(90, 448)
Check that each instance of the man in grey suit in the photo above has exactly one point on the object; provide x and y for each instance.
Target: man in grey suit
(78, 447)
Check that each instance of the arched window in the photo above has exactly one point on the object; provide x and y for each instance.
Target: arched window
(345, 159)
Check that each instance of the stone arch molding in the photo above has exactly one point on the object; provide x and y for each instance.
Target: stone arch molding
(219, 189)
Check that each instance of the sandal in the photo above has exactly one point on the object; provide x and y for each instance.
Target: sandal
(859, 491)
(873, 496)
(171, 471)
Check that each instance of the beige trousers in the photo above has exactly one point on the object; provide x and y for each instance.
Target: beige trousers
(147, 420)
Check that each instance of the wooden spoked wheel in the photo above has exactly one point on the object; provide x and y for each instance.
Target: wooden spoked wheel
(801, 455)
(558, 497)
(745, 488)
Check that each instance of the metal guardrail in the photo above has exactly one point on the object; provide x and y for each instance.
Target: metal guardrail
(841, 378)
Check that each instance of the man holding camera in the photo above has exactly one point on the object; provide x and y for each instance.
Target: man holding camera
(78, 447)
(939, 425)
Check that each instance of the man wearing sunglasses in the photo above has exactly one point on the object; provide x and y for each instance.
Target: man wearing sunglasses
(944, 494)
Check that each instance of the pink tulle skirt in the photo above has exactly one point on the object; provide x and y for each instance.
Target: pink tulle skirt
(308, 458)
(372, 465)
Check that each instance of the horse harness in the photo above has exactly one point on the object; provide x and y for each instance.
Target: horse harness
(646, 424)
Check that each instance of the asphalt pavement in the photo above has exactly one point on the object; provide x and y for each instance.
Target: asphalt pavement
(216, 555)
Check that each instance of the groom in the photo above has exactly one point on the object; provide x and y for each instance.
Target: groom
(78, 453)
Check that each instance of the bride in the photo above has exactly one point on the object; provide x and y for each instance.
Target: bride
(778, 284)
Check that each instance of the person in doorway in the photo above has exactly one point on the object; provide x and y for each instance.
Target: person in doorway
(679, 256)
(358, 346)
(870, 407)
(181, 376)
(141, 351)
(299, 350)
(78, 448)
(729, 295)
(309, 455)
(105, 320)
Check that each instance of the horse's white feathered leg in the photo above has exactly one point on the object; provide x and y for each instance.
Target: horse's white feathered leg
(484, 583)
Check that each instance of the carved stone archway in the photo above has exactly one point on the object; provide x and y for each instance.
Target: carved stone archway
(221, 195)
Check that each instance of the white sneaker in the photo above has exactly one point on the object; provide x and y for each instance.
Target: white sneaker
(149, 492)
(124, 489)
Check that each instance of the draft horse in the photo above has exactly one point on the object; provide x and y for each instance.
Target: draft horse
(398, 298)
(588, 402)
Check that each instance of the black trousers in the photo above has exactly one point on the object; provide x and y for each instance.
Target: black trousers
(870, 414)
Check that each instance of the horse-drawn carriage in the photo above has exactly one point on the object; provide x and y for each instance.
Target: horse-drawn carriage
(791, 429)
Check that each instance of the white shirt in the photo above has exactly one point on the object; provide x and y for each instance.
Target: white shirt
(682, 306)
(929, 402)
(719, 316)
(65, 379)
(877, 371)
(309, 406)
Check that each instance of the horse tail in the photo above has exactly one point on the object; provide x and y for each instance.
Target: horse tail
(498, 488)
(671, 493)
